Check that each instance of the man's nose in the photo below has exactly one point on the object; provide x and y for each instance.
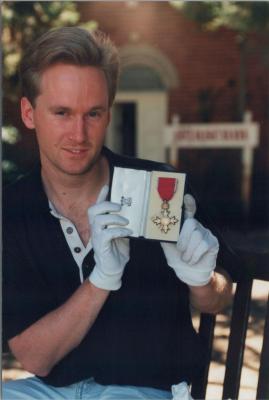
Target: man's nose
(78, 132)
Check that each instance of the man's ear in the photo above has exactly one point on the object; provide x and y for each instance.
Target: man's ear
(27, 113)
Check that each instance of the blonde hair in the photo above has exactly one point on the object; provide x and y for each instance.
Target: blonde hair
(69, 45)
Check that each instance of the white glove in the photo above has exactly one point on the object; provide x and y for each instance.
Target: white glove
(194, 256)
(111, 248)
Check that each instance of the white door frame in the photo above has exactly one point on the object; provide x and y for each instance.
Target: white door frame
(151, 118)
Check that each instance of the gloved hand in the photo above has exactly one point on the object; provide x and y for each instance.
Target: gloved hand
(110, 245)
(194, 256)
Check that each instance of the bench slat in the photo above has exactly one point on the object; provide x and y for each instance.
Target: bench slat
(263, 382)
(235, 353)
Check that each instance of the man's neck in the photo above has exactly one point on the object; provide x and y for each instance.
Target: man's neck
(64, 190)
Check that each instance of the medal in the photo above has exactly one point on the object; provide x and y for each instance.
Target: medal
(166, 189)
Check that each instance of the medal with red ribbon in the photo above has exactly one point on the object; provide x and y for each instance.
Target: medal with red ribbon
(166, 189)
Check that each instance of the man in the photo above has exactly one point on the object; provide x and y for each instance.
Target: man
(89, 311)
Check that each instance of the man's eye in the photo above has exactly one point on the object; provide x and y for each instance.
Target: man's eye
(61, 113)
(94, 114)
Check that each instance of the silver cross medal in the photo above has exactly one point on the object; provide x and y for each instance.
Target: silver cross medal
(164, 221)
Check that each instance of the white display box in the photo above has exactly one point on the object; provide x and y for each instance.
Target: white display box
(150, 216)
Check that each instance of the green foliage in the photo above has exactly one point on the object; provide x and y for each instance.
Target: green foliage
(241, 16)
(10, 134)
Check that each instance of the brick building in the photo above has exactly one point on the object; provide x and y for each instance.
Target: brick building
(170, 66)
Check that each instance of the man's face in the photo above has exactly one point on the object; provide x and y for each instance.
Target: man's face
(70, 117)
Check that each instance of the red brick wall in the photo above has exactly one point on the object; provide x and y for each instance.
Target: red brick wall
(202, 59)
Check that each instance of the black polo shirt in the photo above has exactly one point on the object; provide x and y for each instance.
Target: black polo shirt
(143, 335)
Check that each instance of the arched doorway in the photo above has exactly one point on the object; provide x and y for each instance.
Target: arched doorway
(140, 110)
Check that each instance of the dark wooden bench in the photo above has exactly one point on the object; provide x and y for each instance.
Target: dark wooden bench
(256, 266)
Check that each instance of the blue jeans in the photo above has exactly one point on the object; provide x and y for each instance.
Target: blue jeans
(35, 389)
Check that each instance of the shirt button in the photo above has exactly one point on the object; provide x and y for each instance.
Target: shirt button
(69, 230)
(77, 249)
(86, 267)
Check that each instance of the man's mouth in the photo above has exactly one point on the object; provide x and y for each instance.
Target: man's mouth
(76, 151)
